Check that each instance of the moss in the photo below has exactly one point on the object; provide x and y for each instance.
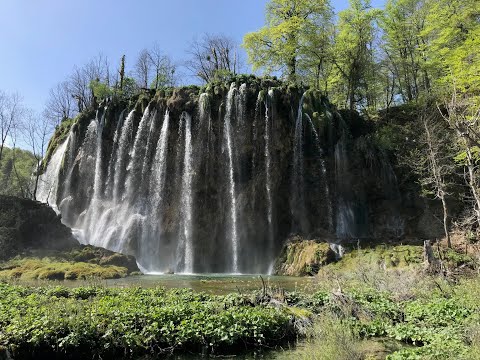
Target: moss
(59, 136)
(381, 256)
(304, 258)
(48, 269)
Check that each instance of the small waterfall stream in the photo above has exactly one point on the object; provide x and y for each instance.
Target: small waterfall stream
(187, 196)
(268, 175)
(48, 181)
(126, 134)
(298, 181)
(233, 201)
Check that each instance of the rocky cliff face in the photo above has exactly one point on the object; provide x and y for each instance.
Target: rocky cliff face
(215, 179)
(27, 225)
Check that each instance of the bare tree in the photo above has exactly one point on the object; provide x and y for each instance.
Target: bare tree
(213, 56)
(433, 163)
(96, 69)
(11, 111)
(36, 131)
(463, 115)
(143, 69)
(164, 69)
(59, 104)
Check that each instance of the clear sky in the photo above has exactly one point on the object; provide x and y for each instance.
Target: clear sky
(41, 41)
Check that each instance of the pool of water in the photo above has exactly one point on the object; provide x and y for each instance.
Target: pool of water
(218, 284)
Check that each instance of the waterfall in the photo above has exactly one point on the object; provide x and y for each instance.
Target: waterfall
(48, 181)
(65, 203)
(122, 156)
(268, 176)
(95, 209)
(323, 169)
(206, 183)
(135, 166)
(113, 156)
(298, 182)
(152, 255)
(345, 219)
(227, 131)
(186, 196)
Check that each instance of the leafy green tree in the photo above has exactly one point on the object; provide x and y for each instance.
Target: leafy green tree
(16, 172)
(355, 63)
(294, 29)
(453, 29)
(100, 89)
(403, 22)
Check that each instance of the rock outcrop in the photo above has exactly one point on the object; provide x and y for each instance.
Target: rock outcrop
(30, 225)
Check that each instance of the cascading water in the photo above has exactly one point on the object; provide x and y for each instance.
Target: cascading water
(48, 181)
(122, 156)
(345, 218)
(113, 157)
(135, 166)
(297, 200)
(227, 131)
(323, 169)
(207, 183)
(268, 176)
(186, 201)
(152, 258)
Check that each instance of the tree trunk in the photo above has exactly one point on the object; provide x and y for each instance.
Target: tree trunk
(292, 68)
(446, 220)
(472, 183)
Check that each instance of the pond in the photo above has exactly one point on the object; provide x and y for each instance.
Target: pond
(217, 284)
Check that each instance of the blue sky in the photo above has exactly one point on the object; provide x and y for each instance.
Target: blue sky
(41, 41)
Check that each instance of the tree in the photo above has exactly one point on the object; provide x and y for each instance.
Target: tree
(164, 69)
(212, 57)
(354, 61)
(290, 26)
(121, 72)
(462, 113)
(59, 105)
(452, 56)
(432, 160)
(96, 69)
(11, 111)
(36, 131)
(143, 69)
(315, 58)
(403, 23)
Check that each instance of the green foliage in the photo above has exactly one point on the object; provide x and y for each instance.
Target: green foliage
(353, 79)
(109, 322)
(16, 169)
(100, 89)
(290, 26)
(454, 32)
(60, 134)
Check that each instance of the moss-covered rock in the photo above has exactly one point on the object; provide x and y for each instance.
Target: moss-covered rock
(58, 269)
(304, 257)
